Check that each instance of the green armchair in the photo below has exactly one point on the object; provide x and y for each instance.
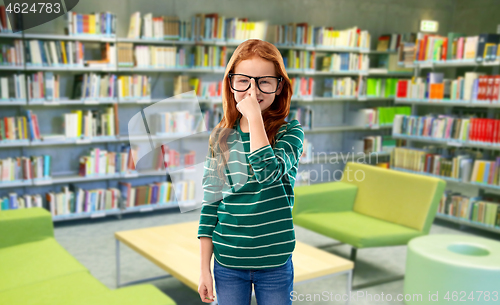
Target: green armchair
(36, 270)
(369, 207)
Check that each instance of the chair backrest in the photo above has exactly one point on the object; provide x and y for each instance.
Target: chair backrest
(406, 199)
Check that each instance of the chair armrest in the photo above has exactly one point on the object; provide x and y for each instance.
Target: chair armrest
(25, 225)
(324, 197)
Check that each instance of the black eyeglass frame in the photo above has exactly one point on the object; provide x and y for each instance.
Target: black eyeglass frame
(230, 75)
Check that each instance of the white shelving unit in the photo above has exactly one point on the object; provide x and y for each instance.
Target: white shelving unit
(419, 66)
(57, 180)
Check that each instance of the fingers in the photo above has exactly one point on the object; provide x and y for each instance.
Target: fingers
(253, 92)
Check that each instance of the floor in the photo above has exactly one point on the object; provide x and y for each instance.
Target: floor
(93, 244)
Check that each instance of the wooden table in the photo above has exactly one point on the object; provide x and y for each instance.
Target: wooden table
(176, 249)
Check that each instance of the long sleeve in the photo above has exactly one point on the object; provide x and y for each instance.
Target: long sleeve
(269, 164)
(212, 196)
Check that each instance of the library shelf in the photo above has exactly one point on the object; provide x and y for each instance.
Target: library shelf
(15, 184)
(383, 52)
(446, 102)
(14, 143)
(453, 180)
(77, 141)
(70, 68)
(454, 63)
(325, 159)
(325, 73)
(467, 222)
(214, 70)
(156, 41)
(157, 206)
(344, 128)
(65, 102)
(93, 38)
(375, 98)
(83, 215)
(150, 207)
(10, 35)
(11, 67)
(389, 73)
(13, 103)
(123, 211)
(449, 142)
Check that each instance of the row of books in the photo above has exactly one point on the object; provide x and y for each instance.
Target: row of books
(378, 116)
(103, 162)
(13, 87)
(178, 122)
(299, 59)
(25, 168)
(392, 42)
(73, 200)
(14, 201)
(134, 86)
(8, 87)
(473, 86)
(303, 114)
(94, 86)
(171, 57)
(12, 55)
(477, 209)
(302, 86)
(103, 23)
(214, 27)
(151, 27)
(454, 46)
(341, 86)
(15, 128)
(170, 158)
(449, 128)
(91, 123)
(374, 144)
(70, 201)
(465, 166)
(157, 193)
(54, 53)
(88, 86)
(4, 21)
(345, 62)
(304, 34)
(379, 87)
(199, 27)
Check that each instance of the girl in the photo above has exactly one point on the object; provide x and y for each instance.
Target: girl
(246, 217)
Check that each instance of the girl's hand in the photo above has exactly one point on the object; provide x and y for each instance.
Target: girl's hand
(249, 106)
(205, 288)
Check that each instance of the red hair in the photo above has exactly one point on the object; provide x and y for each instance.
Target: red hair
(273, 117)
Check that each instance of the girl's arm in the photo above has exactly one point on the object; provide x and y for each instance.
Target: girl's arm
(271, 164)
(206, 249)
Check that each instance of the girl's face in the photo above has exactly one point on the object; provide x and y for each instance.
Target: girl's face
(257, 66)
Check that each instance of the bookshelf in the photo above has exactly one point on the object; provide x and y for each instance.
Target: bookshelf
(421, 106)
(132, 105)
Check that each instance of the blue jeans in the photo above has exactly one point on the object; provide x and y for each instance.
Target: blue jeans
(272, 286)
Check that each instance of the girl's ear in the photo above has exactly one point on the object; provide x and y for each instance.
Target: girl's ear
(280, 87)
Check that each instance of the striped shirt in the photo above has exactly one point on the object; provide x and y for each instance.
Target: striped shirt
(249, 216)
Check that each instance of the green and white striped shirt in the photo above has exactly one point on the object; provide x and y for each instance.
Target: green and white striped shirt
(249, 216)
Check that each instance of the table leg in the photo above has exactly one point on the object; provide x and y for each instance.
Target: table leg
(349, 286)
(117, 263)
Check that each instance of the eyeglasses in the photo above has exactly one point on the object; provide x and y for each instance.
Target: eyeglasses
(266, 84)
